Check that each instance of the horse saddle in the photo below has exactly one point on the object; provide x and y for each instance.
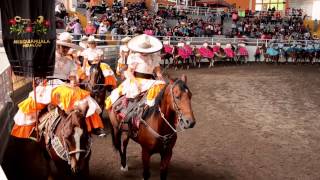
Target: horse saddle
(48, 123)
(129, 111)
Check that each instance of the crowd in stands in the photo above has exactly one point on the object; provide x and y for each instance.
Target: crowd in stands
(270, 25)
(136, 19)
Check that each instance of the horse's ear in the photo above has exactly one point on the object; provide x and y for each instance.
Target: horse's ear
(184, 78)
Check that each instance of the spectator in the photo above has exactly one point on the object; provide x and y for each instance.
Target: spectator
(90, 29)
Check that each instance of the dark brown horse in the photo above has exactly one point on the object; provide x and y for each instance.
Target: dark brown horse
(68, 143)
(158, 130)
(95, 85)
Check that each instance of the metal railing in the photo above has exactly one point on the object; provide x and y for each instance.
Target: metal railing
(115, 40)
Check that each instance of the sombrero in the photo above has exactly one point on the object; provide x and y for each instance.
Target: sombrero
(180, 44)
(65, 39)
(92, 39)
(145, 44)
(166, 42)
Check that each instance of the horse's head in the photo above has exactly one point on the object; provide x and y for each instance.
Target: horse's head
(75, 136)
(181, 102)
(96, 77)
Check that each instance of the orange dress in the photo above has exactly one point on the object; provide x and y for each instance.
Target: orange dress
(63, 96)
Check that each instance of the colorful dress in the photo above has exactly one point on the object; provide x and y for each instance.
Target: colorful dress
(229, 52)
(57, 93)
(183, 53)
(168, 49)
(272, 52)
(216, 49)
(132, 87)
(206, 52)
(243, 51)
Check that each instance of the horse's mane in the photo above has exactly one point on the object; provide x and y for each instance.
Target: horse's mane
(155, 108)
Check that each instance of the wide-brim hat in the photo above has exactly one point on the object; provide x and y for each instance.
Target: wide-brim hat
(145, 44)
(180, 44)
(84, 38)
(166, 42)
(126, 39)
(92, 39)
(65, 39)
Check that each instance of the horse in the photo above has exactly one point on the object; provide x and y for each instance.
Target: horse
(219, 56)
(158, 130)
(95, 84)
(242, 54)
(67, 142)
(183, 57)
(205, 53)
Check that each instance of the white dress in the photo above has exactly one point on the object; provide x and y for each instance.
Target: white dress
(131, 88)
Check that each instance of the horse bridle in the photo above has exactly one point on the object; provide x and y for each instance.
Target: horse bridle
(176, 109)
(87, 151)
(95, 87)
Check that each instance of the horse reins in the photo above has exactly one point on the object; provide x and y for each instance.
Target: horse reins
(167, 137)
(87, 151)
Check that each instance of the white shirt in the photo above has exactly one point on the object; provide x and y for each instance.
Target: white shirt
(144, 64)
(103, 29)
(64, 67)
(125, 49)
(92, 54)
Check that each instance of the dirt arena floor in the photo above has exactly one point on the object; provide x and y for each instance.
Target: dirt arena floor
(257, 122)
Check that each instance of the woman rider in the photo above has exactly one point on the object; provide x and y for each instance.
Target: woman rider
(143, 62)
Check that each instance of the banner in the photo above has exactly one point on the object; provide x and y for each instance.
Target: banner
(29, 36)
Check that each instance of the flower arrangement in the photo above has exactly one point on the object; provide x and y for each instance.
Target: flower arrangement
(21, 26)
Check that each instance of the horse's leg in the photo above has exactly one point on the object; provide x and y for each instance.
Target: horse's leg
(165, 161)
(123, 151)
(188, 62)
(175, 62)
(146, 163)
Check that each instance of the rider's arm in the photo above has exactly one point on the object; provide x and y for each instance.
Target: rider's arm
(156, 60)
(85, 62)
(128, 74)
(158, 72)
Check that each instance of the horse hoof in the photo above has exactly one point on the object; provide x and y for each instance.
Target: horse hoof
(124, 169)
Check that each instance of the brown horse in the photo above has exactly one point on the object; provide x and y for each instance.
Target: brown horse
(158, 130)
(95, 85)
(68, 143)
